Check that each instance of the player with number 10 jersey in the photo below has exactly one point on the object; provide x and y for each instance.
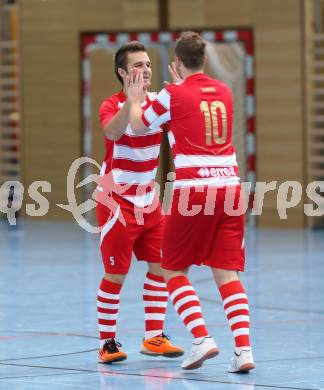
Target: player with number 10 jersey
(201, 229)
(201, 111)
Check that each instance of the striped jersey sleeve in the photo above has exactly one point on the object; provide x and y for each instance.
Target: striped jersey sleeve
(107, 111)
(159, 112)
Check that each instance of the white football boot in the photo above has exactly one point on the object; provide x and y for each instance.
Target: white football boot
(206, 349)
(242, 362)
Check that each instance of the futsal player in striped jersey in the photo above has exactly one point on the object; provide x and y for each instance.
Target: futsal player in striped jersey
(199, 229)
(126, 187)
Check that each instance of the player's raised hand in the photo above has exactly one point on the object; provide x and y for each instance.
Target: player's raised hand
(135, 86)
(174, 75)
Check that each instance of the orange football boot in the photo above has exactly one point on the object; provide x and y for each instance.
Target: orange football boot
(160, 346)
(110, 352)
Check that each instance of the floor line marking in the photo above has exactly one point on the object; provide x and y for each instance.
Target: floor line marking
(160, 376)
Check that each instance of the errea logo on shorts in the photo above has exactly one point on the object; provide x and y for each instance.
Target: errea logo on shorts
(216, 172)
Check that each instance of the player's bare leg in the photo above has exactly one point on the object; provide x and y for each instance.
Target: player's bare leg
(171, 274)
(107, 306)
(237, 311)
(187, 304)
(223, 276)
(155, 269)
(116, 278)
(155, 298)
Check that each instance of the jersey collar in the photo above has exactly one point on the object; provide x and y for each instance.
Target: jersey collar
(196, 76)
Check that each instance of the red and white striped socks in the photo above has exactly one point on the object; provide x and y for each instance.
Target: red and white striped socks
(107, 306)
(187, 304)
(236, 308)
(155, 298)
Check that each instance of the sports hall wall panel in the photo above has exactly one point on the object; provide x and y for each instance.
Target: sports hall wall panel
(103, 15)
(279, 99)
(51, 80)
(50, 84)
(211, 13)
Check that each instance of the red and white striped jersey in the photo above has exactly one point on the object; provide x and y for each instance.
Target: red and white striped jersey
(200, 112)
(133, 159)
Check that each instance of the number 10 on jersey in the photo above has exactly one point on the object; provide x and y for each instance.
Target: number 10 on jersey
(209, 109)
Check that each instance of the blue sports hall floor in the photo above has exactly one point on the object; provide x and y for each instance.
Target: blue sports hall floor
(50, 274)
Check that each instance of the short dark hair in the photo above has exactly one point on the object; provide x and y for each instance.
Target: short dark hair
(190, 49)
(120, 57)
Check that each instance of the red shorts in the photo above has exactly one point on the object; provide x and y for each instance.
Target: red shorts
(215, 240)
(117, 242)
